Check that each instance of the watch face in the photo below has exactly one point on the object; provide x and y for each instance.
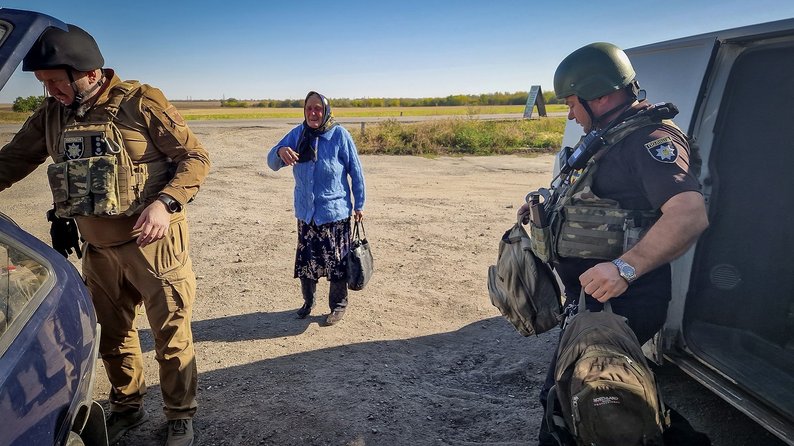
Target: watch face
(627, 271)
(170, 204)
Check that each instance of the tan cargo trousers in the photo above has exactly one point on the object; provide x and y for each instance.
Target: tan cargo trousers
(161, 276)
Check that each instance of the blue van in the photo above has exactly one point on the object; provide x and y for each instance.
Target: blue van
(49, 336)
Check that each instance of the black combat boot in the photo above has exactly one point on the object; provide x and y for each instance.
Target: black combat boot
(308, 287)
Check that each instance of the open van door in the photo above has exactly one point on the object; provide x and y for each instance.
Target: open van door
(19, 30)
(731, 321)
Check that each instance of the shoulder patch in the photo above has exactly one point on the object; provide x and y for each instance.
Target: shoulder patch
(657, 142)
(174, 115)
(662, 150)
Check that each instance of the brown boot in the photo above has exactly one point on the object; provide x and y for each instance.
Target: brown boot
(335, 316)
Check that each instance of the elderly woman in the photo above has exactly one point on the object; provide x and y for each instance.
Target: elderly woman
(322, 155)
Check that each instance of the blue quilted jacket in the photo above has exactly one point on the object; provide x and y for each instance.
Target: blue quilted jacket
(322, 190)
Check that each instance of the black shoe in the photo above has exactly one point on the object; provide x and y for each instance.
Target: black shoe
(334, 317)
(118, 423)
(305, 310)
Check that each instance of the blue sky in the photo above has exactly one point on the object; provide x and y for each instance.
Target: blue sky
(411, 48)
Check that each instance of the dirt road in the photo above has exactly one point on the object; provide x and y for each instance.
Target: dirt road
(421, 358)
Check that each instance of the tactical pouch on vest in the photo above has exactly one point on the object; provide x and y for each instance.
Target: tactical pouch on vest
(85, 186)
(592, 227)
(96, 175)
(592, 232)
(542, 242)
(584, 225)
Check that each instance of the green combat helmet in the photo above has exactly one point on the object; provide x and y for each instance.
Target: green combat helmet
(593, 71)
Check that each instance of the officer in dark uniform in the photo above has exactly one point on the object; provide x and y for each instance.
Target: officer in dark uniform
(644, 171)
(125, 164)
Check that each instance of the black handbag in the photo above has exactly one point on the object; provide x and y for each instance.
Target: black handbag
(359, 260)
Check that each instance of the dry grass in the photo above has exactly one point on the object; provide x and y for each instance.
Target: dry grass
(461, 136)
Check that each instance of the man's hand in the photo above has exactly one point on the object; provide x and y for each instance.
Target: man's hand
(523, 213)
(287, 155)
(603, 282)
(683, 219)
(153, 223)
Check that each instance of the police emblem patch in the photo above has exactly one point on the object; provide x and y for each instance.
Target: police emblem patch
(661, 150)
(664, 153)
(73, 147)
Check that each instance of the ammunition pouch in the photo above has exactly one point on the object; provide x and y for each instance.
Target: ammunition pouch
(85, 187)
(93, 174)
(600, 232)
(542, 243)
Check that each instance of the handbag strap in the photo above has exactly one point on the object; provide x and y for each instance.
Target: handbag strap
(356, 235)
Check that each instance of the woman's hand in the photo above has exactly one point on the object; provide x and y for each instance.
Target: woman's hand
(287, 155)
(358, 215)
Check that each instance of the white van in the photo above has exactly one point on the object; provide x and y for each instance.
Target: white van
(731, 321)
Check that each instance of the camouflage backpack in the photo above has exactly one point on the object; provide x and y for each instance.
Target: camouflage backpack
(522, 287)
(605, 391)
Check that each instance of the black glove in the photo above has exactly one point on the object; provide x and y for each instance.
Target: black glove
(64, 235)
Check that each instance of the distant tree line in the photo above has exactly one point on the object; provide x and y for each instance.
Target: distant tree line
(517, 98)
(27, 104)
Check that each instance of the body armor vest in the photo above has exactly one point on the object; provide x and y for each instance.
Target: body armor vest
(93, 174)
(583, 225)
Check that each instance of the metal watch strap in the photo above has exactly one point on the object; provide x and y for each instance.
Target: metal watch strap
(630, 275)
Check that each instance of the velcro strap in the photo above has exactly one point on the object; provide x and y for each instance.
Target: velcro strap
(594, 233)
(595, 219)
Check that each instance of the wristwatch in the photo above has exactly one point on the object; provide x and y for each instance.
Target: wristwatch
(626, 271)
(171, 205)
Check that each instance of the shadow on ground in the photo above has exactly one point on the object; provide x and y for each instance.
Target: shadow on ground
(477, 385)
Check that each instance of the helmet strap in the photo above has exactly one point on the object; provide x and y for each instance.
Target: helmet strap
(624, 106)
(80, 97)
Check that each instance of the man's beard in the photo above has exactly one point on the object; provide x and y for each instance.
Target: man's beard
(85, 97)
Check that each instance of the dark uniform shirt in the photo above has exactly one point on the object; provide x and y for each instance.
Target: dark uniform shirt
(643, 171)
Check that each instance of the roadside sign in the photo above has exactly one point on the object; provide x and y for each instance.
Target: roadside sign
(535, 98)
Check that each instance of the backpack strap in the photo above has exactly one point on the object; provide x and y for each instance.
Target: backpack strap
(555, 421)
(583, 303)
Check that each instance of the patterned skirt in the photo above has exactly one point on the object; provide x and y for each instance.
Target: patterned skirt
(322, 250)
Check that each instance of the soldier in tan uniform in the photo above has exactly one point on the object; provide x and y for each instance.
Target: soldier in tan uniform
(124, 166)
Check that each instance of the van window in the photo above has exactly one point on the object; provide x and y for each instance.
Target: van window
(21, 279)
